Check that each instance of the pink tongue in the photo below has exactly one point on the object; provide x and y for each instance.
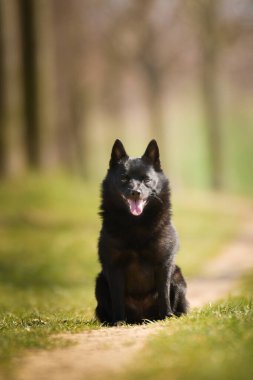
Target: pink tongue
(136, 207)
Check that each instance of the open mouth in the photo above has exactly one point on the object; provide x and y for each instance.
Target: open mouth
(136, 206)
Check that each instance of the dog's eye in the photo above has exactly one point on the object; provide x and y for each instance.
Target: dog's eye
(125, 179)
(146, 179)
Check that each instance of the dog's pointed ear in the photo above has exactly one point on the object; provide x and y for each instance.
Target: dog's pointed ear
(152, 154)
(118, 153)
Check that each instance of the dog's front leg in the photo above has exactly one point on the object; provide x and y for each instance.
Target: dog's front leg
(163, 279)
(116, 286)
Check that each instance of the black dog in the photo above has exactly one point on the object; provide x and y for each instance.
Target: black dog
(139, 280)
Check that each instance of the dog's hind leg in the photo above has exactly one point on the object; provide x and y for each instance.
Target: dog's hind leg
(104, 304)
(178, 286)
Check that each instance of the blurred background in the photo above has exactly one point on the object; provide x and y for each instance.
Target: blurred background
(75, 75)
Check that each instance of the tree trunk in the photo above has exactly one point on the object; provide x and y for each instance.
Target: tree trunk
(30, 83)
(72, 45)
(210, 91)
(212, 120)
(46, 83)
(11, 105)
(2, 97)
(39, 82)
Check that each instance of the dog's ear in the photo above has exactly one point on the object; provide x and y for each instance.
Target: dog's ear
(118, 153)
(152, 155)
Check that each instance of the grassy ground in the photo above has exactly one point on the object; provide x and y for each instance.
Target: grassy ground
(48, 258)
(213, 343)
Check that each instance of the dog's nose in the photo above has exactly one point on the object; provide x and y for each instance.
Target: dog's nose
(136, 193)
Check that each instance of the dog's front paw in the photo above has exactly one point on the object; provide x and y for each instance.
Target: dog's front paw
(165, 312)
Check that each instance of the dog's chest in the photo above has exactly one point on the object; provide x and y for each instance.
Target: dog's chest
(139, 276)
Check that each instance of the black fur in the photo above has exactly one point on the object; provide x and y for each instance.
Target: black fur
(139, 280)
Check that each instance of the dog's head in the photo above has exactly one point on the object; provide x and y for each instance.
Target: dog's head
(136, 184)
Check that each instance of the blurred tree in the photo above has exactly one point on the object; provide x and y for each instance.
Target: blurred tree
(206, 21)
(148, 58)
(73, 101)
(39, 79)
(157, 55)
(2, 126)
(62, 61)
(45, 81)
(139, 44)
(11, 100)
(221, 26)
(210, 49)
(30, 82)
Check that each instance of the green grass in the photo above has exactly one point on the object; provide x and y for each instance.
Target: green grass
(48, 261)
(206, 222)
(213, 343)
(48, 254)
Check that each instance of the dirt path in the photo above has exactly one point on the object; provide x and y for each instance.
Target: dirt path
(220, 275)
(99, 353)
